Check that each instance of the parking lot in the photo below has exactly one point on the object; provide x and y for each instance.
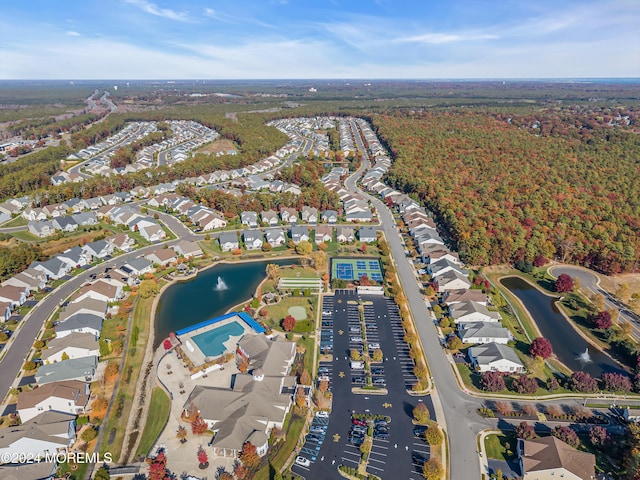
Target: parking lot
(395, 452)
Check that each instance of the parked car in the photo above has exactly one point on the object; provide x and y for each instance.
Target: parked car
(373, 346)
(357, 421)
(356, 339)
(322, 414)
(304, 462)
(377, 371)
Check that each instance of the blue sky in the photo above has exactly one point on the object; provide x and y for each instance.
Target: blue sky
(254, 39)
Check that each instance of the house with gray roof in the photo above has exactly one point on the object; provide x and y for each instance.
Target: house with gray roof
(249, 218)
(65, 224)
(137, 267)
(98, 249)
(484, 332)
(252, 239)
(41, 228)
(75, 257)
(82, 369)
(309, 215)
(49, 432)
(228, 241)
(367, 234)
(54, 268)
(276, 237)
(85, 218)
(496, 358)
(80, 323)
(33, 279)
(269, 217)
(345, 234)
(299, 233)
(255, 403)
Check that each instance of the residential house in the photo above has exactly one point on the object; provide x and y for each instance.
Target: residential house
(34, 214)
(496, 358)
(88, 305)
(345, 235)
(452, 280)
(100, 290)
(228, 241)
(41, 228)
(445, 265)
(269, 217)
(5, 311)
(367, 234)
(162, 256)
(98, 249)
(551, 458)
(80, 323)
(465, 312)
(288, 215)
(153, 233)
(252, 239)
(54, 268)
(329, 216)
(64, 224)
(255, 403)
(359, 216)
(299, 233)
(484, 332)
(69, 397)
(33, 279)
(250, 219)
(431, 253)
(84, 219)
(211, 221)
(74, 345)
(75, 257)
(122, 241)
(9, 209)
(188, 249)
(309, 215)
(49, 432)
(16, 296)
(465, 295)
(137, 267)
(29, 471)
(324, 234)
(82, 369)
(276, 237)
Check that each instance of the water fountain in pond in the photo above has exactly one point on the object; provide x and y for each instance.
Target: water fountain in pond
(584, 356)
(220, 286)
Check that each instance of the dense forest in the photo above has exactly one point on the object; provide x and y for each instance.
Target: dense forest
(504, 191)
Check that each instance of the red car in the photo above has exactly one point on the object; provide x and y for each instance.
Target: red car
(357, 421)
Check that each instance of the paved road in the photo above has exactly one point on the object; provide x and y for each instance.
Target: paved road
(589, 283)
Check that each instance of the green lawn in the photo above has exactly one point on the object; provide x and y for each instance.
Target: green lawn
(296, 271)
(308, 343)
(159, 409)
(16, 222)
(276, 312)
(279, 459)
(26, 236)
(496, 446)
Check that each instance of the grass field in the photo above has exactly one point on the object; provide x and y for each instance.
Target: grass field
(295, 271)
(160, 406)
(114, 430)
(26, 236)
(16, 222)
(283, 453)
(275, 313)
(496, 446)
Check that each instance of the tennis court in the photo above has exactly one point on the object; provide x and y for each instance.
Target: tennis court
(351, 269)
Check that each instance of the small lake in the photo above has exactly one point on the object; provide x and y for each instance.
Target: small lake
(567, 344)
(211, 293)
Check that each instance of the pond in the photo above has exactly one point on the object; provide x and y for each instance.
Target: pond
(211, 293)
(570, 348)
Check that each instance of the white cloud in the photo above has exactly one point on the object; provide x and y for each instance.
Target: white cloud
(440, 38)
(71, 33)
(153, 9)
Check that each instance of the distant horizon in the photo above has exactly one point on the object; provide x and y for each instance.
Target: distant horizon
(284, 39)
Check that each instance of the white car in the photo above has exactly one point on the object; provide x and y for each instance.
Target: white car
(373, 346)
(304, 462)
(327, 313)
(322, 414)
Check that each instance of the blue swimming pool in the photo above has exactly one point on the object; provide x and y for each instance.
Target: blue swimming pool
(212, 342)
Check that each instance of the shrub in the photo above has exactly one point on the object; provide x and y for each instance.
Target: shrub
(433, 436)
(583, 382)
(525, 384)
(525, 431)
(603, 320)
(567, 435)
(504, 408)
(38, 344)
(421, 413)
(541, 347)
(492, 381)
(89, 434)
(552, 384)
(288, 323)
(564, 283)
(29, 365)
(616, 382)
(432, 469)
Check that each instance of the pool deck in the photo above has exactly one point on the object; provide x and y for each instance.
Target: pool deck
(190, 346)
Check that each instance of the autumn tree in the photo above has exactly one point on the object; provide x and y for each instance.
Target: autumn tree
(305, 378)
(421, 413)
(616, 382)
(289, 323)
(249, 456)
(203, 458)
(603, 320)
(492, 381)
(525, 384)
(582, 382)
(181, 433)
(198, 425)
(148, 288)
(541, 347)
(304, 248)
(158, 468)
(564, 283)
(273, 271)
(525, 431)
(377, 355)
(567, 435)
(432, 469)
(454, 342)
(433, 436)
